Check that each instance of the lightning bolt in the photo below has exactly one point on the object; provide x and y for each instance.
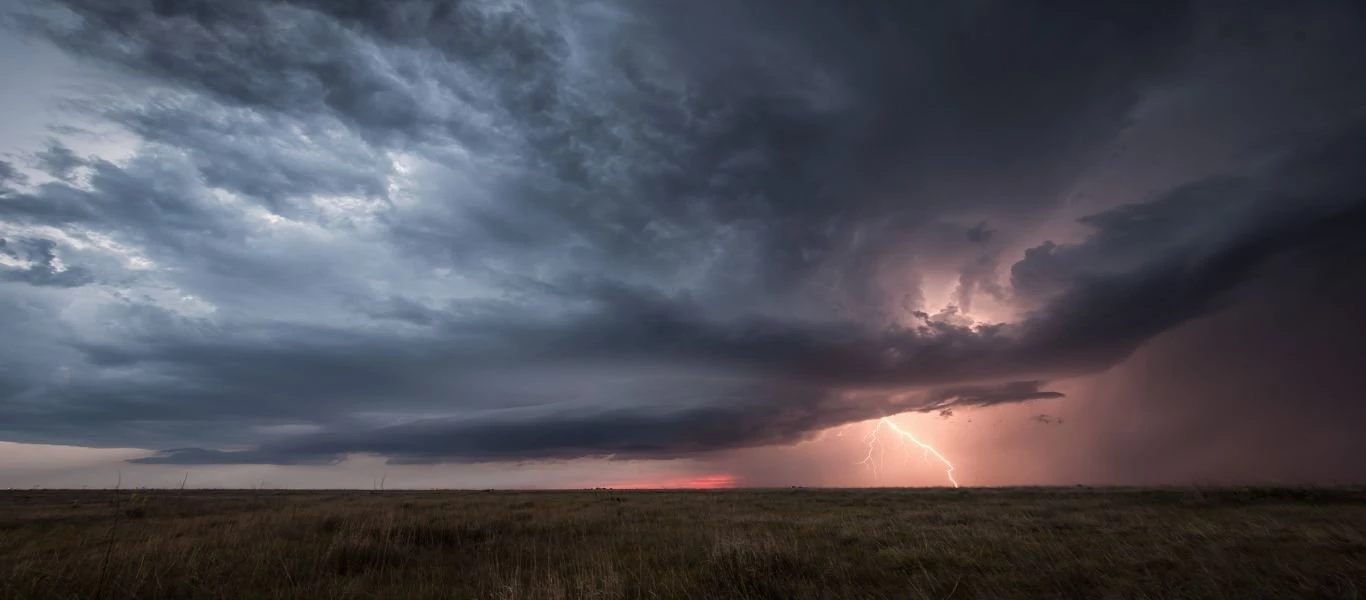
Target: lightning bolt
(877, 449)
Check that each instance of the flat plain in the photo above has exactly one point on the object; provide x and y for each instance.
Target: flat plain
(1184, 543)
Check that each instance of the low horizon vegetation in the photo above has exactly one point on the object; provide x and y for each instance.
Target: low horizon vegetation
(1081, 542)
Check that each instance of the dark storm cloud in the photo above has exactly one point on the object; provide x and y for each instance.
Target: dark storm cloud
(8, 172)
(58, 161)
(1094, 324)
(242, 151)
(729, 120)
(43, 268)
(740, 417)
(482, 231)
(9, 175)
(200, 456)
(889, 106)
(984, 395)
(299, 59)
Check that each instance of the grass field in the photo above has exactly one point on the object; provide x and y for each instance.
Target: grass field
(1035, 543)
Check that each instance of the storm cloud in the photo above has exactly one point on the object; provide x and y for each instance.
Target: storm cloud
(476, 231)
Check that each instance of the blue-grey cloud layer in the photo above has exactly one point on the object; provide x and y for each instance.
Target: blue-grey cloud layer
(501, 231)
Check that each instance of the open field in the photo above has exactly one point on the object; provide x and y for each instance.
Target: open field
(1036, 543)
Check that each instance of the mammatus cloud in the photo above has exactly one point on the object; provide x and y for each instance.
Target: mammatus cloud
(479, 231)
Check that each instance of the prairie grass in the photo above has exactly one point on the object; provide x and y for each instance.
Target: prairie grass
(994, 543)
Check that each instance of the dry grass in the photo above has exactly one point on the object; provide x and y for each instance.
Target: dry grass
(1072, 543)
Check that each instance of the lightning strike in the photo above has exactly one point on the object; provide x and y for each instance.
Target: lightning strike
(877, 448)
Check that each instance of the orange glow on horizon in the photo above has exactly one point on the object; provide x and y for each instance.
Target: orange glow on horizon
(704, 482)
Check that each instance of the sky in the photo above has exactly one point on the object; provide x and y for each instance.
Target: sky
(646, 243)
